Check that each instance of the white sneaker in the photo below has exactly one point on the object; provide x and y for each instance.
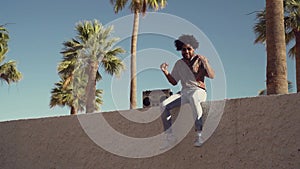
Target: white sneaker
(169, 141)
(199, 140)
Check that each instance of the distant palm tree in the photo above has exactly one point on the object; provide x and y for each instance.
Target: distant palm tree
(61, 96)
(8, 70)
(64, 96)
(97, 50)
(136, 7)
(79, 69)
(292, 31)
(292, 15)
(66, 93)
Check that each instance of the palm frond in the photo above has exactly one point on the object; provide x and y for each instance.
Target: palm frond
(112, 65)
(118, 4)
(98, 100)
(9, 72)
(262, 92)
(260, 27)
(3, 51)
(292, 52)
(4, 38)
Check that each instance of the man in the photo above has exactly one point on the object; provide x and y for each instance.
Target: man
(191, 71)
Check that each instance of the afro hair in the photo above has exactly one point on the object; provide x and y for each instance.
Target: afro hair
(186, 39)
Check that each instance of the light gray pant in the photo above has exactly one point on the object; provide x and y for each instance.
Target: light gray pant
(192, 96)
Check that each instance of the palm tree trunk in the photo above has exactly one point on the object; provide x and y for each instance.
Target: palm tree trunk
(297, 58)
(73, 110)
(276, 49)
(91, 87)
(133, 82)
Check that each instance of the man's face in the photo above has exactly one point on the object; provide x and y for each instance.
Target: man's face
(187, 51)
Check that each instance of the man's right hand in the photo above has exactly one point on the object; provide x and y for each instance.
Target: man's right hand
(164, 68)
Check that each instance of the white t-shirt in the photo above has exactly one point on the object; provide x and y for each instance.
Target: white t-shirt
(182, 72)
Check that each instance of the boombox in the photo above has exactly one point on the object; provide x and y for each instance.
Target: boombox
(155, 97)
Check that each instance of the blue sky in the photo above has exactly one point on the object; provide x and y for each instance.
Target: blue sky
(39, 27)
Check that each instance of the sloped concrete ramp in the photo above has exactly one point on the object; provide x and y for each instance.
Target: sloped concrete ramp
(261, 132)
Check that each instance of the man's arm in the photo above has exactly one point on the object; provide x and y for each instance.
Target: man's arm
(208, 68)
(170, 78)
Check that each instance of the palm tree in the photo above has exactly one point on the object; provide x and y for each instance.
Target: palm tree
(276, 50)
(137, 7)
(270, 30)
(79, 69)
(292, 31)
(8, 70)
(292, 15)
(96, 49)
(66, 93)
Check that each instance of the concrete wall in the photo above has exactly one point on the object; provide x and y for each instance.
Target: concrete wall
(261, 132)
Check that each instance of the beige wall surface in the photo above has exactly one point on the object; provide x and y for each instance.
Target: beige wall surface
(252, 133)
